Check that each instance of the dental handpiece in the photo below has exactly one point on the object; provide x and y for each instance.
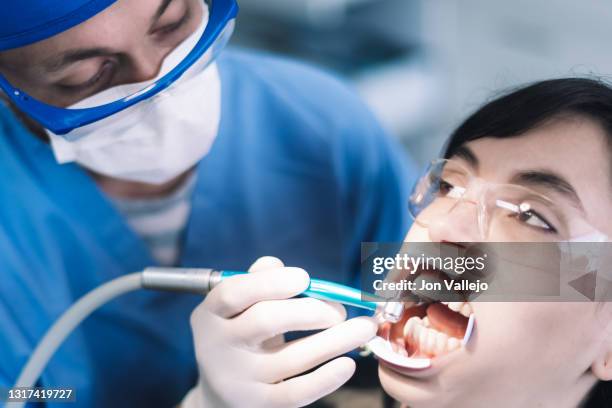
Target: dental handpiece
(202, 281)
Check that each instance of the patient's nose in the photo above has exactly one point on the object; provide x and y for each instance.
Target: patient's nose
(459, 224)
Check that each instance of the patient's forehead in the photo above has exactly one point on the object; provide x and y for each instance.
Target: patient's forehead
(576, 148)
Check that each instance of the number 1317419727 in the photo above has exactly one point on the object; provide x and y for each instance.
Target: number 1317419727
(38, 394)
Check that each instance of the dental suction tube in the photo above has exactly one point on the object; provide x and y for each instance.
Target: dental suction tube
(184, 280)
(78, 312)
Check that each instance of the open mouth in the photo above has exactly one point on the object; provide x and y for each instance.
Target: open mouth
(427, 330)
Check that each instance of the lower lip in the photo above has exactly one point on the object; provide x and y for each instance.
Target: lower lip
(437, 365)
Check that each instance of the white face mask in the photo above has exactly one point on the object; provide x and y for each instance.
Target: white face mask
(157, 139)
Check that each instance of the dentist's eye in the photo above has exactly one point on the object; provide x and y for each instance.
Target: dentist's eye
(168, 29)
(101, 79)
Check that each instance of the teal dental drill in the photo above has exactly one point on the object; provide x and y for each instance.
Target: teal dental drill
(202, 281)
(184, 280)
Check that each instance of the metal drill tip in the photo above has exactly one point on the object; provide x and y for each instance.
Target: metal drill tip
(392, 311)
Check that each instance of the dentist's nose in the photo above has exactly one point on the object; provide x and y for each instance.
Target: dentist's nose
(146, 62)
(460, 224)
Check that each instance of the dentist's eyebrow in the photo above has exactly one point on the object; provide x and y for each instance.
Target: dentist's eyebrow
(465, 153)
(551, 181)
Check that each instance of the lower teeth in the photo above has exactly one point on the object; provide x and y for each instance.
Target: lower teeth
(427, 341)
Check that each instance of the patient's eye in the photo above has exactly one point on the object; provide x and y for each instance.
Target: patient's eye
(448, 189)
(445, 187)
(535, 220)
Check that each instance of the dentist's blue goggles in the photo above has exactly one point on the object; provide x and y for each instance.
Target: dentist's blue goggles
(64, 121)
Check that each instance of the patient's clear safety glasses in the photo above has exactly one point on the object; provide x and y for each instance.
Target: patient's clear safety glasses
(192, 56)
(505, 212)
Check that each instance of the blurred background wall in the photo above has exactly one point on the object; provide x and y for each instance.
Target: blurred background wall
(423, 65)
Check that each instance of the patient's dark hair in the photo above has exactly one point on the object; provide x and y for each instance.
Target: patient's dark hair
(526, 108)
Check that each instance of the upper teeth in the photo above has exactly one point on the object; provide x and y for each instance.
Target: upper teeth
(460, 307)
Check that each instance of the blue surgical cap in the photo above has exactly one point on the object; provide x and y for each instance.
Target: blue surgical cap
(23, 22)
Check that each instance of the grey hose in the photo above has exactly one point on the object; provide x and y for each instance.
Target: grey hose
(56, 335)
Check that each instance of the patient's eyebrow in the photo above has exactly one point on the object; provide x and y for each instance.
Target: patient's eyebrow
(465, 153)
(549, 180)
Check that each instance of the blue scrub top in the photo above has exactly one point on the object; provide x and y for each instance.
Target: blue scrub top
(300, 170)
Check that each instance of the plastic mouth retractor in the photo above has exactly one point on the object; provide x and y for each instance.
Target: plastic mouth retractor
(382, 349)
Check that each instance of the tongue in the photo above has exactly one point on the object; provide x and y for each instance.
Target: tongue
(445, 320)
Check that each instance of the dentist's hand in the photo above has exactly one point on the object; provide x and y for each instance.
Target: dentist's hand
(242, 358)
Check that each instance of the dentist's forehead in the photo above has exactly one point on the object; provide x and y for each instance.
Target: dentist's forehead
(109, 29)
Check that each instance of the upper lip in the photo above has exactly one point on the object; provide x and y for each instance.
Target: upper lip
(432, 274)
(460, 249)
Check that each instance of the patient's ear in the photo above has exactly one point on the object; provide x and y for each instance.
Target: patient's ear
(602, 366)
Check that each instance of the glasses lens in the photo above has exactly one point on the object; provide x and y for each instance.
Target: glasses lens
(442, 185)
(170, 62)
(508, 212)
(519, 214)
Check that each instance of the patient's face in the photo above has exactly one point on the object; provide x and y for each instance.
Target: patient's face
(522, 354)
